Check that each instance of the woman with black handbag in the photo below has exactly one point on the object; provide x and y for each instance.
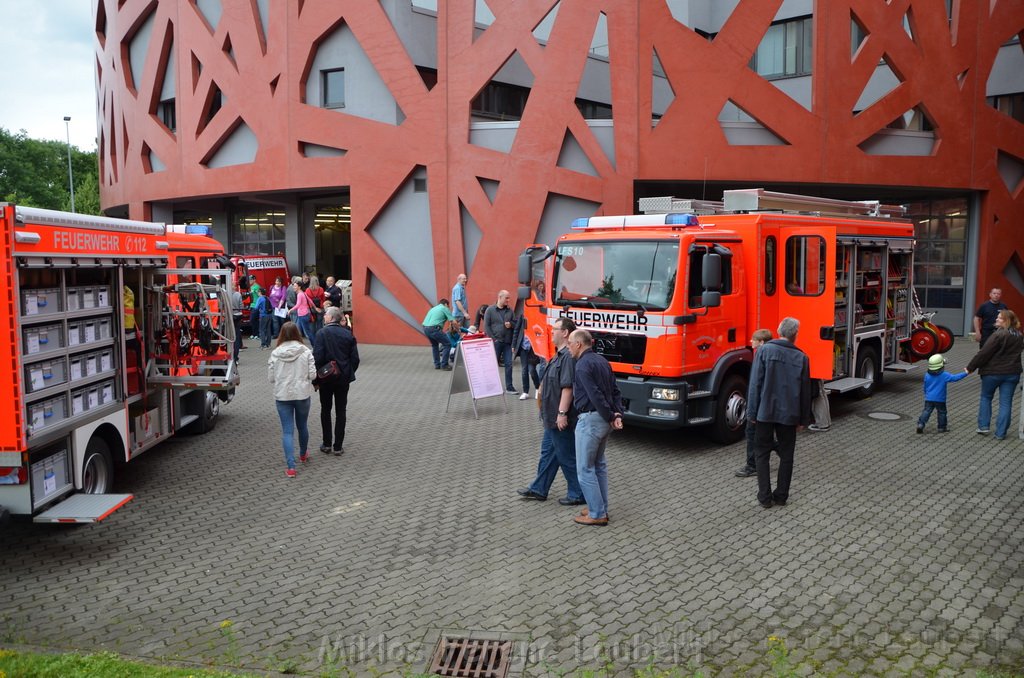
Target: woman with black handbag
(337, 359)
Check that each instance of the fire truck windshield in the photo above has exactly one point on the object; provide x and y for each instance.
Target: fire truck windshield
(616, 274)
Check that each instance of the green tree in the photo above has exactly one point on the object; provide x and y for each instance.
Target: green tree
(34, 173)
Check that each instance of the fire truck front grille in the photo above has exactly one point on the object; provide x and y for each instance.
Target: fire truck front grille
(621, 348)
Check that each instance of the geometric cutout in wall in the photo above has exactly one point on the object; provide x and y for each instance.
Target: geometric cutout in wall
(558, 215)
(662, 92)
(1011, 170)
(101, 25)
(912, 134)
(238, 147)
(909, 25)
(404, 231)
(383, 296)
(211, 11)
(162, 102)
(273, 84)
(482, 18)
(883, 80)
(471, 236)
(749, 131)
(137, 47)
(599, 43)
(858, 35)
(211, 106)
(150, 161)
(263, 7)
(914, 119)
(490, 187)
(595, 83)
(542, 31)
(310, 150)
(229, 51)
(572, 156)
(1014, 272)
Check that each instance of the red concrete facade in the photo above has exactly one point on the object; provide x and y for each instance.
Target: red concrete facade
(943, 69)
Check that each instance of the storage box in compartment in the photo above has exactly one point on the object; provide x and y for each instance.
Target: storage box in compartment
(42, 338)
(50, 475)
(86, 398)
(47, 412)
(45, 374)
(102, 296)
(81, 298)
(103, 329)
(108, 391)
(42, 301)
(75, 333)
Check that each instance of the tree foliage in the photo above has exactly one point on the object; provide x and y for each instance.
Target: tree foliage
(34, 172)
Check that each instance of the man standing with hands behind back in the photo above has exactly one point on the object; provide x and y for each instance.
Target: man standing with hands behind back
(778, 401)
(599, 407)
(498, 326)
(459, 304)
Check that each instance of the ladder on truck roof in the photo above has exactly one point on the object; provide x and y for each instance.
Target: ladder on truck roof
(194, 347)
(760, 200)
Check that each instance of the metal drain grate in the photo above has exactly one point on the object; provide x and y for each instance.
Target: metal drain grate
(471, 658)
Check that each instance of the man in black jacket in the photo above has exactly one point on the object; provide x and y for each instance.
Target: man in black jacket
(778, 401)
(498, 325)
(335, 342)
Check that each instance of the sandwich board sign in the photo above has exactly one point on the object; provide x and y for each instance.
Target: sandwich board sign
(476, 370)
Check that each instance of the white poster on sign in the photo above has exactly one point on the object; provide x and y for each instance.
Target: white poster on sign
(476, 370)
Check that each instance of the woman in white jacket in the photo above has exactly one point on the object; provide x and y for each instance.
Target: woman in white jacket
(291, 370)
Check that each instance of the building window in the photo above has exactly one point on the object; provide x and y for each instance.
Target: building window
(769, 266)
(332, 88)
(167, 114)
(594, 110)
(785, 50)
(1010, 104)
(940, 255)
(501, 101)
(257, 232)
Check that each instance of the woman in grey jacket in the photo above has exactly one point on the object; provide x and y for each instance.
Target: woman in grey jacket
(998, 362)
(291, 370)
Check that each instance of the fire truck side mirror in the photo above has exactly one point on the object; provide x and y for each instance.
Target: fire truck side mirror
(523, 292)
(710, 299)
(525, 270)
(711, 271)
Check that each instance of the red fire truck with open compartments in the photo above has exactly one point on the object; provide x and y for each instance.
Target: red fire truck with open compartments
(118, 336)
(672, 297)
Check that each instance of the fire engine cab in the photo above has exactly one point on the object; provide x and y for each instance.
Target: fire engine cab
(672, 297)
(118, 337)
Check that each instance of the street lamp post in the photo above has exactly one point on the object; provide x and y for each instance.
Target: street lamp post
(71, 176)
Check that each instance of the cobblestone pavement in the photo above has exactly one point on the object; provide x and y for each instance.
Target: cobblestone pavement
(898, 554)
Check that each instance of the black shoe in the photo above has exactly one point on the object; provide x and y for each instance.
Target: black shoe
(766, 504)
(746, 472)
(565, 501)
(338, 451)
(447, 368)
(527, 493)
(511, 390)
(943, 430)
(779, 502)
(920, 429)
(325, 448)
(437, 367)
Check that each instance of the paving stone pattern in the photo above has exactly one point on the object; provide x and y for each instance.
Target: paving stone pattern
(898, 554)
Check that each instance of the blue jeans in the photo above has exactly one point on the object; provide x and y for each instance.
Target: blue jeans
(439, 345)
(557, 450)
(1006, 384)
(529, 370)
(504, 349)
(276, 328)
(293, 414)
(305, 323)
(591, 466)
(926, 413)
(266, 327)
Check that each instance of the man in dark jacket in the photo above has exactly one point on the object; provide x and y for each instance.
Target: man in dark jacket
(498, 325)
(778, 401)
(335, 342)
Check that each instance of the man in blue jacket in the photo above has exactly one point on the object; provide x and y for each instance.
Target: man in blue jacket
(778, 401)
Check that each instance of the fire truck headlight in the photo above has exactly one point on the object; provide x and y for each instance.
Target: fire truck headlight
(659, 393)
(663, 414)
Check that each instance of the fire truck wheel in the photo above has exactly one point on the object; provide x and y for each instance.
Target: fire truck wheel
(730, 411)
(97, 469)
(208, 419)
(868, 367)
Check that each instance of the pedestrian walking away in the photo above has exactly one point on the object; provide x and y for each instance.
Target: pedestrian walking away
(291, 369)
(335, 343)
(498, 325)
(935, 381)
(599, 407)
(778, 401)
(433, 330)
(998, 363)
(558, 419)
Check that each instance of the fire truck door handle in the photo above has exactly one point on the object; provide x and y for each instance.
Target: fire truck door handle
(732, 334)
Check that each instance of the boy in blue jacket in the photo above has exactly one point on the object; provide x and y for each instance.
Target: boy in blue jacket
(935, 381)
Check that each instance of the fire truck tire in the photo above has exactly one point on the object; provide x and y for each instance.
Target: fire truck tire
(97, 468)
(869, 366)
(730, 411)
(208, 419)
(945, 337)
(924, 342)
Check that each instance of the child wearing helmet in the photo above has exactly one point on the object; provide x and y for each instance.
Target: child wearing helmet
(935, 381)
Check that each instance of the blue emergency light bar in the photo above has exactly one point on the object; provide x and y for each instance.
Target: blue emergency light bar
(681, 220)
(635, 221)
(199, 229)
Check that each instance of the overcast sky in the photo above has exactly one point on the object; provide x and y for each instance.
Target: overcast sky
(47, 69)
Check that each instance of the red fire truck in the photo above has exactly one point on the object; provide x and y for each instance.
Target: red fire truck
(673, 296)
(118, 337)
(263, 269)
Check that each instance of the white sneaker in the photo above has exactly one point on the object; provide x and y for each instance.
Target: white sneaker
(525, 396)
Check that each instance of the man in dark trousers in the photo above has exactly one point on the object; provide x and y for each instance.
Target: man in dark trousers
(985, 316)
(498, 325)
(599, 406)
(778, 401)
(335, 342)
(558, 446)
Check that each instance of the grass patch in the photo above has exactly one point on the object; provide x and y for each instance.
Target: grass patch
(72, 665)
